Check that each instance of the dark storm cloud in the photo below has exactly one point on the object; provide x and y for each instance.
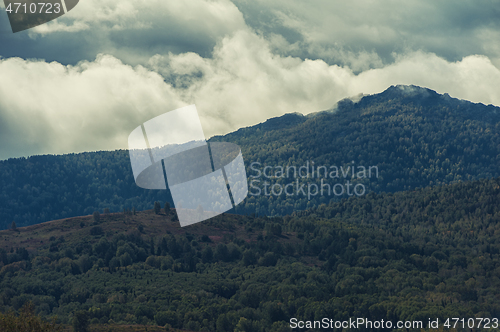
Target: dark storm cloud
(133, 31)
(360, 34)
(331, 29)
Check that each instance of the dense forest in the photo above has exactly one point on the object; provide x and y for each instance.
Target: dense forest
(429, 253)
(413, 136)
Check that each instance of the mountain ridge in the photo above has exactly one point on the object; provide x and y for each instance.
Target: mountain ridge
(415, 136)
(409, 92)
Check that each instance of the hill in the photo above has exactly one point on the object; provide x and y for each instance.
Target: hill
(411, 137)
(429, 253)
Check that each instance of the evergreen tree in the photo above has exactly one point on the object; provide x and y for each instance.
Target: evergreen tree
(81, 321)
(97, 216)
(157, 207)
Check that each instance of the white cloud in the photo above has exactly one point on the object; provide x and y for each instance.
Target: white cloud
(213, 18)
(473, 78)
(245, 83)
(51, 108)
(58, 26)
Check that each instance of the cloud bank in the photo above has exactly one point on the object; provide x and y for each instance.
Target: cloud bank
(85, 81)
(336, 30)
(51, 108)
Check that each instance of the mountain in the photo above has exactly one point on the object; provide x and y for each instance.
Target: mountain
(408, 137)
(427, 254)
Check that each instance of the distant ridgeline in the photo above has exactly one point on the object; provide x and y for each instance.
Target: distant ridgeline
(401, 139)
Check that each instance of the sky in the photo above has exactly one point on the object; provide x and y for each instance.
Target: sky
(86, 80)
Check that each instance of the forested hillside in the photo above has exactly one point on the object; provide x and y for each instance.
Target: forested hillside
(413, 136)
(430, 253)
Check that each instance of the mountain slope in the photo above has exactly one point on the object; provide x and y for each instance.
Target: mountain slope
(413, 137)
(403, 256)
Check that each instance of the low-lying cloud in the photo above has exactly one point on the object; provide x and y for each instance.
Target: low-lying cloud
(46, 107)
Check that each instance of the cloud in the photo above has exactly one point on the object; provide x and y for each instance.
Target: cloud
(47, 107)
(133, 31)
(245, 82)
(360, 34)
(51, 108)
(318, 28)
(473, 78)
(210, 17)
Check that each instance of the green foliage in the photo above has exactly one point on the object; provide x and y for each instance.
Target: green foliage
(269, 259)
(273, 228)
(207, 255)
(80, 321)
(426, 253)
(166, 317)
(157, 207)
(416, 141)
(69, 185)
(26, 321)
(96, 230)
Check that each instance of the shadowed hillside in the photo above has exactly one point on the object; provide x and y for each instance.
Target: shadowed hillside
(430, 253)
(412, 136)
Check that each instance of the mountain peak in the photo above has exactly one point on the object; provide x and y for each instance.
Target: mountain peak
(405, 92)
(416, 95)
(410, 90)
